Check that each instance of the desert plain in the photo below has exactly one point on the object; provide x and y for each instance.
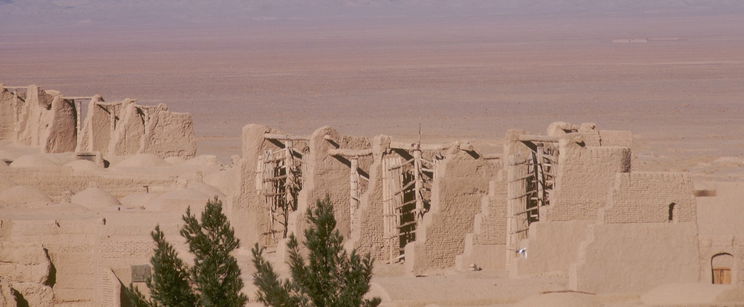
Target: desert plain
(472, 78)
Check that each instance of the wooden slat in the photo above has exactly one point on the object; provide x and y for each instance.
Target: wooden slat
(350, 152)
(525, 194)
(538, 138)
(285, 137)
(401, 165)
(406, 203)
(277, 178)
(526, 211)
(407, 224)
(406, 187)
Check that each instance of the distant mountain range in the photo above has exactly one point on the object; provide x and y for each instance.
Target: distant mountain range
(42, 13)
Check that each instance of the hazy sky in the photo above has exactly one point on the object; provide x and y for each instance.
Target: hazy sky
(50, 14)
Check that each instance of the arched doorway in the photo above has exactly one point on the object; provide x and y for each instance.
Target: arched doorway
(721, 265)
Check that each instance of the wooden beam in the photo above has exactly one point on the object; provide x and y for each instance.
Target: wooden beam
(353, 192)
(277, 178)
(330, 139)
(412, 146)
(431, 147)
(284, 137)
(538, 138)
(109, 104)
(350, 152)
(491, 157)
(419, 185)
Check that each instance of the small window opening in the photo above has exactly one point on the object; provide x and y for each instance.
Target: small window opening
(672, 217)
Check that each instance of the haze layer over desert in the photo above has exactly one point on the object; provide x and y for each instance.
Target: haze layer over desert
(458, 77)
(658, 85)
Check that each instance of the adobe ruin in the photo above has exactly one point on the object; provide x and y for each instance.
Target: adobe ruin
(55, 123)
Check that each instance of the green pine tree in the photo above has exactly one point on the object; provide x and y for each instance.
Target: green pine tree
(214, 280)
(169, 283)
(134, 298)
(215, 273)
(330, 278)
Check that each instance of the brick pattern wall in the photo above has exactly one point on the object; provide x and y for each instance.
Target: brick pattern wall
(644, 197)
(585, 175)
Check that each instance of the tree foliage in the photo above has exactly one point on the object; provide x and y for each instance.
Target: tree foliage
(169, 286)
(213, 280)
(215, 273)
(330, 277)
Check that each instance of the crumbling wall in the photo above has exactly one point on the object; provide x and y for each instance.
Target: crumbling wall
(30, 118)
(6, 294)
(61, 133)
(585, 175)
(8, 109)
(460, 182)
(591, 135)
(368, 236)
(24, 262)
(641, 197)
(127, 137)
(325, 175)
(48, 121)
(126, 128)
(98, 126)
(153, 130)
(168, 134)
(70, 245)
(27, 265)
(247, 213)
(40, 118)
(82, 251)
(635, 231)
(485, 247)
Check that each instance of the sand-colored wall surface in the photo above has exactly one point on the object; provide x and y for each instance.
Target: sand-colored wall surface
(485, 247)
(552, 248)
(720, 226)
(368, 237)
(249, 206)
(585, 175)
(641, 197)
(8, 113)
(56, 124)
(459, 183)
(658, 253)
